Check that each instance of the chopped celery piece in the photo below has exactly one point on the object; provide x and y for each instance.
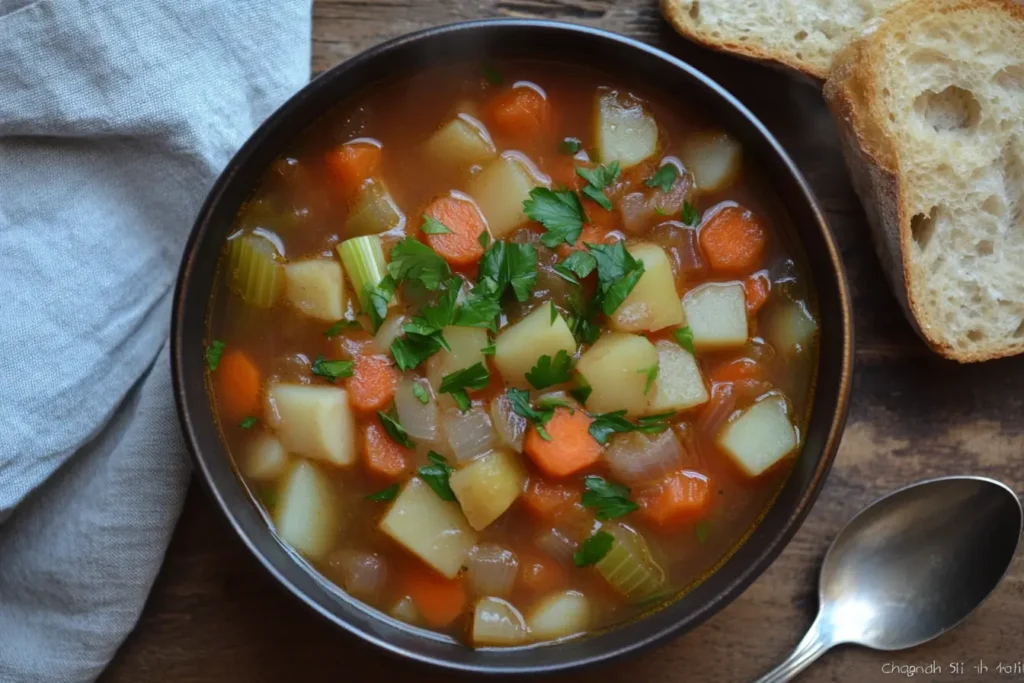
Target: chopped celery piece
(629, 567)
(255, 270)
(374, 211)
(363, 258)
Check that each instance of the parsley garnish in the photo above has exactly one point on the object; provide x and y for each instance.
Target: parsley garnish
(213, 353)
(484, 239)
(664, 177)
(395, 430)
(598, 179)
(248, 423)
(559, 211)
(617, 274)
(550, 371)
(474, 377)
(412, 349)
(420, 393)
(519, 269)
(606, 424)
(423, 333)
(690, 215)
(660, 211)
(570, 146)
(578, 264)
(582, 390)
(335, 329)
(609, 501)
(520, 401)
(593, 549)
(489, 350)
(652, 375)
(384, 495)
(332, 370)
(703, 528)
(503, 264)
(491, 74)
(432, 226)
(684, 336)
(377, 299)
(436, 475)
(413, 260)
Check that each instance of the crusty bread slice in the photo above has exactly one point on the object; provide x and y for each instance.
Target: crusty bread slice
(930, 108)
(800, 34)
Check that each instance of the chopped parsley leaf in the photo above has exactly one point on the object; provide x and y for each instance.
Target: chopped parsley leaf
(582, 390)
(601, 176)
(664, 177)
(214, 350)
(332, 370)
(652, 375)
(413, 260)
(248, 423)
(559, 211)
(335, 329)
(570, 146)
(598, 197)
(432, 226)
(684, 336)
(606, 424)
(457, 383)
(520, 401)
(412, 349)
(551, 371)
(690, 215)
(484, 239)
(578, 264)
(491, 74)
(377, 300)
(607, 499)
(593, 549)
(420, 393)
(395, 430)
(384, 495)
(436, 475)
(617, 274)
(489, 350)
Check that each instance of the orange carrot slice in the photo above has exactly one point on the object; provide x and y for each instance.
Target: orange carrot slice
(756, 289)
(571, 447)
(733, 241)
(237, 383)
(681, 498)
(520, 112)
(461, 245)
(382, 456)
(439, 600)
(372, 384)
(352, 164)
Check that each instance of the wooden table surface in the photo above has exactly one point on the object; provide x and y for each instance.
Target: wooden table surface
(215, 616)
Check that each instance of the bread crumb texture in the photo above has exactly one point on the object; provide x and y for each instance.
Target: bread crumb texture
(801, 34)
(935, 98)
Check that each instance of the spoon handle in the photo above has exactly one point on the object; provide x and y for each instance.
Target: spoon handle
(814, 644)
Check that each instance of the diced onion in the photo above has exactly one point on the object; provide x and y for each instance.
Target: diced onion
(558, 544)
(496, 622)
(389, 330)
(491, 570)
(419, 419)
(265, 458)
(405, 610)
(509, 426)
(722, 405)
(559, 615)
(469, 434)
(363, 574)
(637, 458)
(683, 248)
(714, 159)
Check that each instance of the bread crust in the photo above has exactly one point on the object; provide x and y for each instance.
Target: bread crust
(680, 20)
(872, 158)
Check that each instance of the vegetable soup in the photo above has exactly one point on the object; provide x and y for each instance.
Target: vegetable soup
(512, 353)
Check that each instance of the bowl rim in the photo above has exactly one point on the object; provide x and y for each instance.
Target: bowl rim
(750, 571)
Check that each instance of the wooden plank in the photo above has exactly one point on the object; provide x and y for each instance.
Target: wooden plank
(215, 615)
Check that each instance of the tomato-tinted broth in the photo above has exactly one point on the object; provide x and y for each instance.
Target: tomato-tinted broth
(300, 208)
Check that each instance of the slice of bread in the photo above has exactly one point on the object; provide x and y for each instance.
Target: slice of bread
(930, 108)
(800, 34)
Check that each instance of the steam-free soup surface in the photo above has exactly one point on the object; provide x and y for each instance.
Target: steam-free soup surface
(511, 353)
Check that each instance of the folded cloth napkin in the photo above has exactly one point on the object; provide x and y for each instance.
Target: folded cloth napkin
(115, 118)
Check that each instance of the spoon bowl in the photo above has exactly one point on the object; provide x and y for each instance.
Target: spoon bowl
(911, 566)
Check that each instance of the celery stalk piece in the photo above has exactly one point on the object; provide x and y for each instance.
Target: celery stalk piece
(255, 270)
(629, 567)
(373, 211)
(363, 258)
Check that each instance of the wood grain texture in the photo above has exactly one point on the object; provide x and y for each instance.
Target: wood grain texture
(215, 616)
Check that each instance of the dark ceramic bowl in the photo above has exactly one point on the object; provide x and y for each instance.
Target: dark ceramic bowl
(618, 56)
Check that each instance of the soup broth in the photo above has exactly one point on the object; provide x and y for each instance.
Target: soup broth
(512, 353)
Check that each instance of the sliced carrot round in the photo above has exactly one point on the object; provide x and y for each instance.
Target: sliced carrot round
(372, 384)
(520, 112)
(237, 383)
(352, 164)
(733, 241)
(439, 600)
(460, 246)
(756, 289)
(570, 449)
(683, 497)
(382, 456)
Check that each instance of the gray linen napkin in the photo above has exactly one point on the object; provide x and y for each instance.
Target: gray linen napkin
(115, 118)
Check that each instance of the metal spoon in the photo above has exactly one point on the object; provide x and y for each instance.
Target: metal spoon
(910, 567)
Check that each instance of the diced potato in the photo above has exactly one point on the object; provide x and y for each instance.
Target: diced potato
(760, 437)
(714, 159)
(463, 141)
(717, 315)
(558, 615)
(625, 131)
(466, 344)
(430, 528)
(497, 623)
(680, 384)
(306, 515)
(488, 486)
(265, 458)
(653, 304)
(314, 421)
(519, 346)
(500, 190)
(373, 212)
(316, 287)
(617, 367)
(791, 328)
